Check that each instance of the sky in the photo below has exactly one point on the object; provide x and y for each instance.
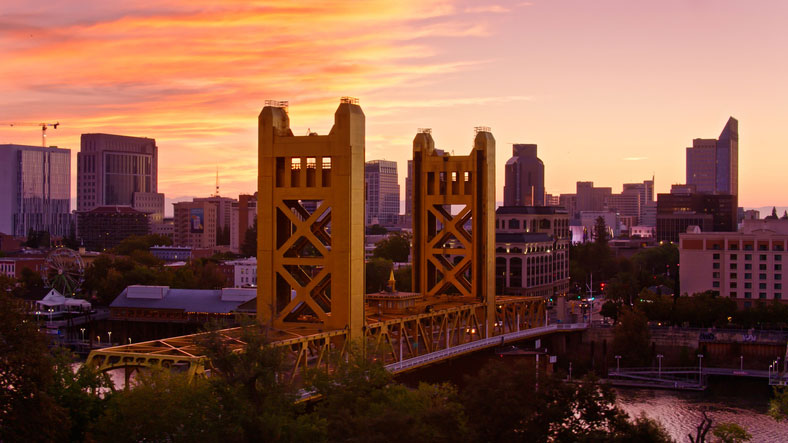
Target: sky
(612, 91)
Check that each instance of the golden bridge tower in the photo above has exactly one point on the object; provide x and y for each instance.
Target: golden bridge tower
(453, 221)
(310, 220)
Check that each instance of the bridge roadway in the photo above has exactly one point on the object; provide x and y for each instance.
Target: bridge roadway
(455, 351)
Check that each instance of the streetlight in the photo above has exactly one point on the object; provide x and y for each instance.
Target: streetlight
(700, 365)
(109, 340)
(618, 363)
(98, 339)
(82, 330)
(129, 340)
(741, 363)
(659, 359)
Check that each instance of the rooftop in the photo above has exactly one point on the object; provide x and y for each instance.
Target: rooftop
(219, 301)
(538, 210)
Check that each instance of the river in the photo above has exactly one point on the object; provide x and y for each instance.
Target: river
(741, 401)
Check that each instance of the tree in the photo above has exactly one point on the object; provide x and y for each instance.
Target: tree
(778, 406)
(731, 433)
(404, 278)
(610, 309)
(632, 338)
(507, 404)
(141, 243)
(601, 235)
(378, 271)
(377, 230)
(361, 403)
(395, 247)
(249, 247)
(27, 411)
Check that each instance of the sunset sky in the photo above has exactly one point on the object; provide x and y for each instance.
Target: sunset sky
(612, 91)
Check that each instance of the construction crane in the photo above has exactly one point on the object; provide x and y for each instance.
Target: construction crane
(43, 126)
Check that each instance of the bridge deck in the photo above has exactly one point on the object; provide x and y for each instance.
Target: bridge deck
(435, 323)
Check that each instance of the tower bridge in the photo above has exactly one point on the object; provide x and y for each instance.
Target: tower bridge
(311, 278)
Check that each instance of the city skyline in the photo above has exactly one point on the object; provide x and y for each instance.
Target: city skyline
(612, 92)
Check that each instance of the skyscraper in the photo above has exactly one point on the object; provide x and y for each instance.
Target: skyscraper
(713, 164)
(117, 170)
(409, 190)
(382, 192)
(524, 184)
(35, 190)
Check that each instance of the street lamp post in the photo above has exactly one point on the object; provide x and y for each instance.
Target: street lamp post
(659, 359)
(618, 363)
(741, 363)
(700, 365)
(109, 340)
(82, 330)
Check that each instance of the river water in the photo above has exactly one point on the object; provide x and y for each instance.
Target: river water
(741, 401)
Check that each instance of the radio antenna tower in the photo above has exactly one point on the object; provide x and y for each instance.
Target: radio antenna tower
(217, 182)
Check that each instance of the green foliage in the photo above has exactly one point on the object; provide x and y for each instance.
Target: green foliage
(778, 406)
(404, 278)
(632, 339)
(610, 309)
(730, 433)
(395, 247)
(27, 411)
(141, 243)
(361, 403)
(624, 287)
(249, 246)
(30, 279)
(376, 230)
(591, 258)
(162, 406)
(76, 391)
(601, 235)
(37, 239)
(507, 404)
(378, 271)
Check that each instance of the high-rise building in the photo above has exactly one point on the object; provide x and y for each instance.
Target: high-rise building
(552, 200)
(409, 190)
(524, 185)
(224, 209)
(532, 251)
(591, 198)
(195, 224)
(713, 164)
(117, 170)
(710, 212)
(35, 190)
(244, 213)
(382, 192)
(104, 227)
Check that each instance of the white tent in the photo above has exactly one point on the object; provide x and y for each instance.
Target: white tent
(58, 302)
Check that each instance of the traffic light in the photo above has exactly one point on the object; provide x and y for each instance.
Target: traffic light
(602, 286)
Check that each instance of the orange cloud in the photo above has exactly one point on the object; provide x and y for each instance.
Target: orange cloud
(194, 74)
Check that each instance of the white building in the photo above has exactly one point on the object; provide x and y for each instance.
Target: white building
(245, 272)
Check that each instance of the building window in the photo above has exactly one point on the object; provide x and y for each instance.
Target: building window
(747, 305)
(747, 276)
(733, 294)
(733, 285)
(778, 276)
(715, 275)
(762, 257)
(733, 265)
(761, 285)
(778, 267)
(777, 296)
(762, 295)
(747, 266)
(715, 284)
(761, 276)
(747, 285)
(748, 256)
(778, 257)
(762, 266)
(748, 295)
(514, 224)
(733, 276)
(734, 257)
(715, 265)
(778, 286)
(716, 256)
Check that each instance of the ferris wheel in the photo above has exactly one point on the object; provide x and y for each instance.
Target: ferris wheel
(64, 270)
